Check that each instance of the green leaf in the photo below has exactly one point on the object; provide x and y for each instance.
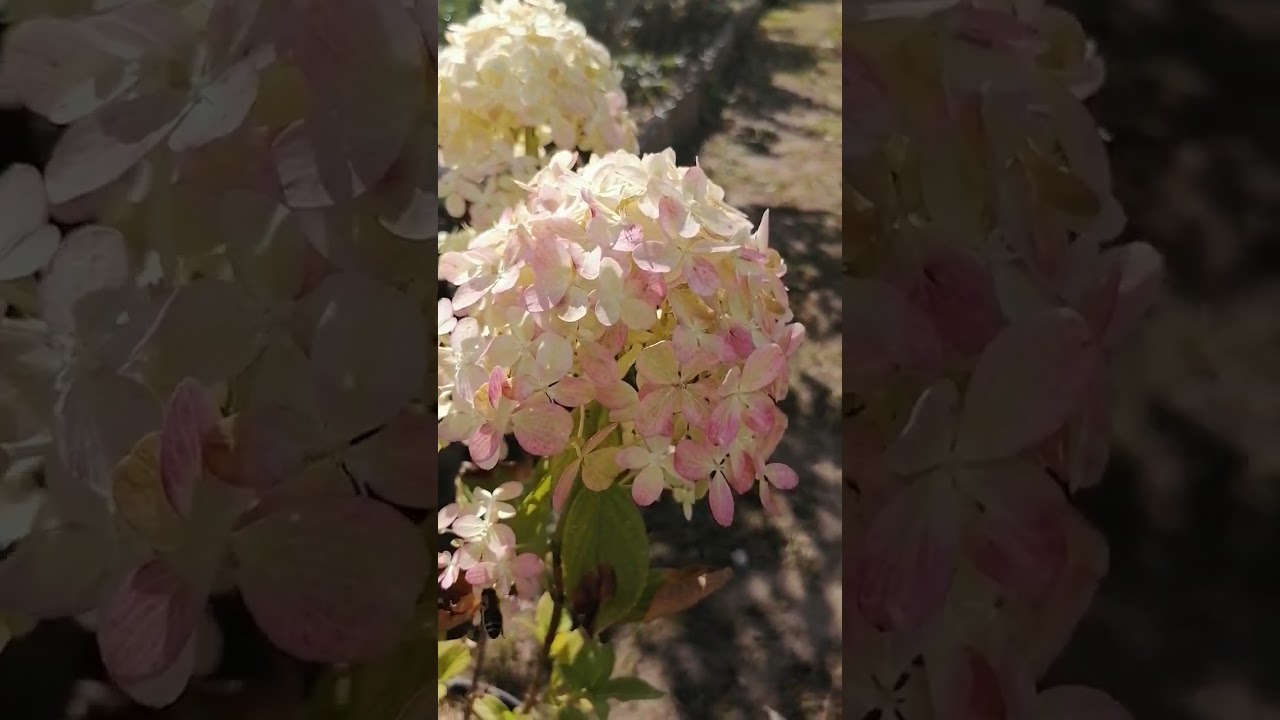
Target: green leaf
(488, 707)
(606, 528)
(566, 646)
(591, 667)
(533, 515)
(452, 658)
(572, 713)
(628, 688)
(653, 581)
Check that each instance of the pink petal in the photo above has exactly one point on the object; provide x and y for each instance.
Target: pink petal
(959, 295)
(617, 396)
(484, 445)
(907, 559)
(657, 365)
(655, 256)
(702, 276)
(740, 340)
(648, 486)
(166, 687)
(1026, 384)
(769, 499)
(654, 413)
(572, 392)
(564, 485)
(759, 413)
(694, 460)
(1019, 539)
(742, 471)
(496, 385)
(145, 624)
(553, 358)
(188, 418)
(598, 363)
(1140, 283)
(576, 303)
(638, 314)
(397, 463)
(634, 457)
(332, 580)
(886, 331)
(781, 476)
(764, 364)
(721, 499)
(726, 420)
(472, 292)
(542, 428)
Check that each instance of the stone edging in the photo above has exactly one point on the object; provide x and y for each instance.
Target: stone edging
(675, 120)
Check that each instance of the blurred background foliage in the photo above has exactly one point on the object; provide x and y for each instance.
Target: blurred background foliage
(651, 40)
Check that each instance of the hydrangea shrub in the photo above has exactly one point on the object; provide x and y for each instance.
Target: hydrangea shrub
(988, 292)
(215, 298)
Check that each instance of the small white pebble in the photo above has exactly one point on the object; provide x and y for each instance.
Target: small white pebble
(739, 557)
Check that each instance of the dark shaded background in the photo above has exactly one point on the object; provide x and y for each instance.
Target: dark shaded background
(1186, 625)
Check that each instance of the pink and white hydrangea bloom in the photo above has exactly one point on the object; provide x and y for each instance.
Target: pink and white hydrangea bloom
(635, 295)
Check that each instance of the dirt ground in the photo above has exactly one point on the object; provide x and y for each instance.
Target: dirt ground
(772, 637)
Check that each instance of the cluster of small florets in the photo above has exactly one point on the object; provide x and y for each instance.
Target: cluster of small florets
(625, 290)
(980, 318)
(513, 80)
(485, 549)
(482, 192)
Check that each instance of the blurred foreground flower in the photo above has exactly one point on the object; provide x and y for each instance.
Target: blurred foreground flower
(987, 297)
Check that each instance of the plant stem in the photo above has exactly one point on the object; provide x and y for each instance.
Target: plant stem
(475, 678)
(557, 609)
(544, 660)
(531, 142)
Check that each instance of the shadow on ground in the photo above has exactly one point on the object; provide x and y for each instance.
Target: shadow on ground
(772, 637)
(1185, 627)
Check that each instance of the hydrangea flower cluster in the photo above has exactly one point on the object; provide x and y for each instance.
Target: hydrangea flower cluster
(986, 298)
(627, 291)
(516, 78)
(485, 549)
